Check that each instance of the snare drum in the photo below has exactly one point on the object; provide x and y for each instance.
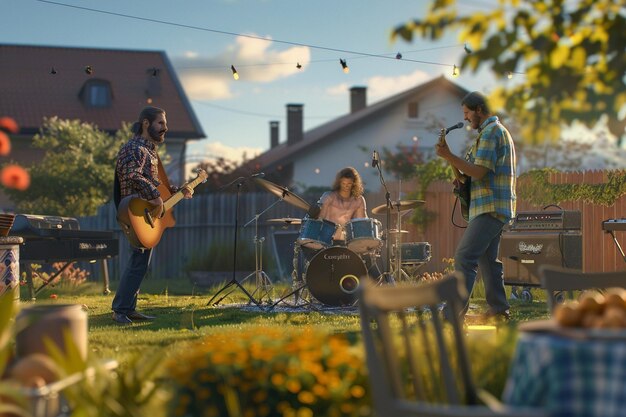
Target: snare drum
(316, 233)
(363, 235)
(415, 253)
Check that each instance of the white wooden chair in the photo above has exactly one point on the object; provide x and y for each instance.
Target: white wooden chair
(557, 279)
(432, 377)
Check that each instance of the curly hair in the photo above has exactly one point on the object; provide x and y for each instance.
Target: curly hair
(353, 174)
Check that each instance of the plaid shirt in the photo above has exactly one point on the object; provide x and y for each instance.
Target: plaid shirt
(137, 168)
(495, 192)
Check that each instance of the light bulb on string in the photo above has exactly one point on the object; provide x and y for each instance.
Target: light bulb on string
(398, 55)
(298, 65)
(88, 70)
(455, 71)
(154, 71)
(53, 71)
(344, 65)
(509, 75)
(235, 73)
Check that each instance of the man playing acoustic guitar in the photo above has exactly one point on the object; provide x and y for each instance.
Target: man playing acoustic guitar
(491, 164)
(137, 173)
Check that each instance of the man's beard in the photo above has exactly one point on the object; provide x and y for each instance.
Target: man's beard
(157, 135)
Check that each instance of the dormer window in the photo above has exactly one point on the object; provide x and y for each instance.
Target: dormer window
(97, 94)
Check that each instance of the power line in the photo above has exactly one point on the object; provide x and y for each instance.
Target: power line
(224, 32)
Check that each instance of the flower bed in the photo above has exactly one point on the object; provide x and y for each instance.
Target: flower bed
(270, 370)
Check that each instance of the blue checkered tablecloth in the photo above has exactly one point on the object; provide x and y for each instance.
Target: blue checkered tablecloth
(568, 376)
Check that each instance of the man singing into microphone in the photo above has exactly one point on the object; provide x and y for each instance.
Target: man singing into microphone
(491, 165)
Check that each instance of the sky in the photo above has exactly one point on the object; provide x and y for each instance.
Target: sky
(264, 40)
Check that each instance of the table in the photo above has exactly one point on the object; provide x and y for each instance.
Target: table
(568, 376)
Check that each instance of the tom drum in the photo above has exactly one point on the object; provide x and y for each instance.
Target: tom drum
(363, 235)
(316, 233)
(415, 253)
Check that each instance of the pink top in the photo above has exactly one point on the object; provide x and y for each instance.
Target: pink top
(340, 210)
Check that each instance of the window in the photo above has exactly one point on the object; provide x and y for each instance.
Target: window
(413, 110)
(97, 93)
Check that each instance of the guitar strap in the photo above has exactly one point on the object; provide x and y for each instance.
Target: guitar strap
(164, 188)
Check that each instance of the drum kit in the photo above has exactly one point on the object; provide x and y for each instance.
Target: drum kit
(335, 272)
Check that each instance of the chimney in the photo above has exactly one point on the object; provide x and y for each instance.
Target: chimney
(273, 134)
(294, 123)
(357, 99)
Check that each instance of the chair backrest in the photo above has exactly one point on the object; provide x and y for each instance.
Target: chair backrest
(406, 338)
(554, 278)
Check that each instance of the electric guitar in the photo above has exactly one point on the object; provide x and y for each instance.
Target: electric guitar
(140, 222)
(462, 184)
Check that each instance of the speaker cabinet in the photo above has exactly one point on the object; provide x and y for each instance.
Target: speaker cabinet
(522, 253)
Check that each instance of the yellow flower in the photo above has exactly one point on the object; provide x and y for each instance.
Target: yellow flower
(306, 397)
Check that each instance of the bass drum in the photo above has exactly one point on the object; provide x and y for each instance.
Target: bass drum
(334, 275)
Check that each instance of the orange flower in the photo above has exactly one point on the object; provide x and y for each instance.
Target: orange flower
(5, 144)
(14, 176)
(8, 124)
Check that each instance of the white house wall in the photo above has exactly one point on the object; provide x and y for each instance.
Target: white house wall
(387, 128)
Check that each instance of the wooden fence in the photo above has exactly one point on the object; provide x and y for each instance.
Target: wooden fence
(210, 219)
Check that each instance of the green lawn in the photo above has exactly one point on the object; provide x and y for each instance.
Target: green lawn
(184, 321)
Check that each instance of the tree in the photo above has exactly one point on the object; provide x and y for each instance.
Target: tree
(571, 54)
(76, 174)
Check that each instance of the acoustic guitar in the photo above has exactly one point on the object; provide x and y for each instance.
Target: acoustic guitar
(462, 184)
(140, 222)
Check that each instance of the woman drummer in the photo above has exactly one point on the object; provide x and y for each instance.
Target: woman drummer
(343, 203)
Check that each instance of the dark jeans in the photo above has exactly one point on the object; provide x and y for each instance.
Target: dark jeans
(479, 248)
(125, 300)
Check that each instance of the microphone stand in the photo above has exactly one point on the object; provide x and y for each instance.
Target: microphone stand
(239, 182)
(387, 272)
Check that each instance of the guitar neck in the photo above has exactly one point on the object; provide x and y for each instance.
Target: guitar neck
(178, 195)
(457, 173)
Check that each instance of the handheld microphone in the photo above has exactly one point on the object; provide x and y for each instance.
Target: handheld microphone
(257, 175)
(374, 159)
(456, 126)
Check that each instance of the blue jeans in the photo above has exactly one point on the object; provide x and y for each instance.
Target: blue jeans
(479, 247)
(125, 300)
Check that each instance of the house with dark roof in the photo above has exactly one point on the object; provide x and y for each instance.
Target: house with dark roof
(105, 87)
(312, 158)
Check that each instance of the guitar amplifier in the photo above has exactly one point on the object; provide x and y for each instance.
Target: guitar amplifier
(522, 253)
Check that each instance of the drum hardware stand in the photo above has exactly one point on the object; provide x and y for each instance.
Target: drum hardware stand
(263, 283)
(386, 275)
(301, 287)
(233, 282)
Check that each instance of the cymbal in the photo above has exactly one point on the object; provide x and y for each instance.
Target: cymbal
(282, 192)
(288, 220)
(400, 205)
(392, 231)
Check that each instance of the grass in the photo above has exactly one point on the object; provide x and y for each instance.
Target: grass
(184, 318)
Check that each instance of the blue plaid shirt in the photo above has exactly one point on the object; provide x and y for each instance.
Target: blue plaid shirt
(137, 168)
(495, 192)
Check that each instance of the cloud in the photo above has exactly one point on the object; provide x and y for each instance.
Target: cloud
(382, 87)
(338, 90)
(205, 150)
(256, 60)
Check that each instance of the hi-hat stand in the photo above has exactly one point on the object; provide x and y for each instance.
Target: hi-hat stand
(387, 275)
(233, 282)
(264, 287)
